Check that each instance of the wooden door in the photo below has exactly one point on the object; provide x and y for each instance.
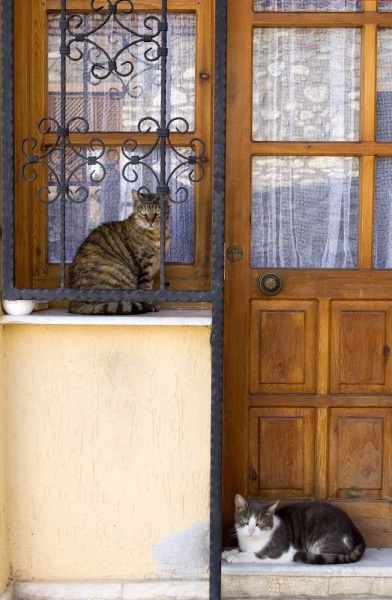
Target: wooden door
(308, 369)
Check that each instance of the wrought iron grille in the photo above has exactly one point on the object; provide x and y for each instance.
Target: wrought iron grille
(72, 171)
(156, 36)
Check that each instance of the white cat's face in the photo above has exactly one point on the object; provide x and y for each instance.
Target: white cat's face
(254, 524)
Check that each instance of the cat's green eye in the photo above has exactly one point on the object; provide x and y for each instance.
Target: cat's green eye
(244, 521)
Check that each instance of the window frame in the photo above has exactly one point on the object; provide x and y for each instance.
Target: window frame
(32, 272)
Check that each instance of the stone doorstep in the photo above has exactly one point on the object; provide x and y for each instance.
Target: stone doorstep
(368, 579)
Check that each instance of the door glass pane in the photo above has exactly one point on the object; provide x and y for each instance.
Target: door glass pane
(307, 5)
(117, 102)
(111, 200)
(384, 5)
(382, 245)
(304, 212)
(306, 84)
(384, 85)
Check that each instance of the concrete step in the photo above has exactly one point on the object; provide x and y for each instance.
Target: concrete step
(368, 579)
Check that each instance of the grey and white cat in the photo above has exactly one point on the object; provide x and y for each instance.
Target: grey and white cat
(308, 532)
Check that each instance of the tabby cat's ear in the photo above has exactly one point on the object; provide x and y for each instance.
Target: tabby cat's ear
(135, 197)
(271, 509)
(240, 502)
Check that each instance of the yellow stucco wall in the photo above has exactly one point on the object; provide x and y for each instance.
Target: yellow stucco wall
(4, 564)
(107, 450)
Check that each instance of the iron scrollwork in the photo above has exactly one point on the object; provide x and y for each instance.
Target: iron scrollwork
(192, 159)
(90, 156)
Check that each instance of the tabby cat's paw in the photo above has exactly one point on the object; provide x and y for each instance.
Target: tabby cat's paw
(151, 306)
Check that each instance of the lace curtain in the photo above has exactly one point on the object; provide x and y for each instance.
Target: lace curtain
(305, 212)
(382, 246)
(306, 84)
(384, 5)
(306, 88)
(307, 5)
(117, 104)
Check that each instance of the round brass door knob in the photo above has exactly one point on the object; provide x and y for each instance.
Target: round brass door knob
(270, 284)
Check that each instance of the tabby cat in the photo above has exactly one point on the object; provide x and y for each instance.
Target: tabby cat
(121, 255)
(308, 532)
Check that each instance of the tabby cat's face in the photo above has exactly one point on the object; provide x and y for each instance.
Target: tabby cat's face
(147, 211)
(253, 519)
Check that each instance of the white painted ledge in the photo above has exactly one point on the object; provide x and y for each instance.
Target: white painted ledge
(62, 317)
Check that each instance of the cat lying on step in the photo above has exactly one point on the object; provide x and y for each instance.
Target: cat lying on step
(308, 532)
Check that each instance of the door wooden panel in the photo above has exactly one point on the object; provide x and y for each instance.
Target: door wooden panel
(360, 346)
(282, 440)
(283, 343)
(360, 455)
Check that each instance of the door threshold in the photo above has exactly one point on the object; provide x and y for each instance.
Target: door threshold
(371, 577)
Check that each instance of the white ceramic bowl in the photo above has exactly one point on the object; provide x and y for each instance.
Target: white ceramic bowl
(18, 307)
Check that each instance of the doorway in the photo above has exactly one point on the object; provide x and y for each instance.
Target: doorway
(308, 280)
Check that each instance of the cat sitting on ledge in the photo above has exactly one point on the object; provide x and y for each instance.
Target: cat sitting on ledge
(121, 255)
(309, 532)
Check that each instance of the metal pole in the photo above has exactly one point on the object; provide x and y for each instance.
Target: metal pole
(63, 134)
(163, 133)
(217, 305)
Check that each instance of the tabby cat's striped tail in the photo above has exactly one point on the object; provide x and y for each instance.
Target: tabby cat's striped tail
(89, 307)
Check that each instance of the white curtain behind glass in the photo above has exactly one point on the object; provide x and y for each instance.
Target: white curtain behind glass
(384, 5)
(382, 243)
(306, 84)
(306, 87)
(307, 5)
(304, 212)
